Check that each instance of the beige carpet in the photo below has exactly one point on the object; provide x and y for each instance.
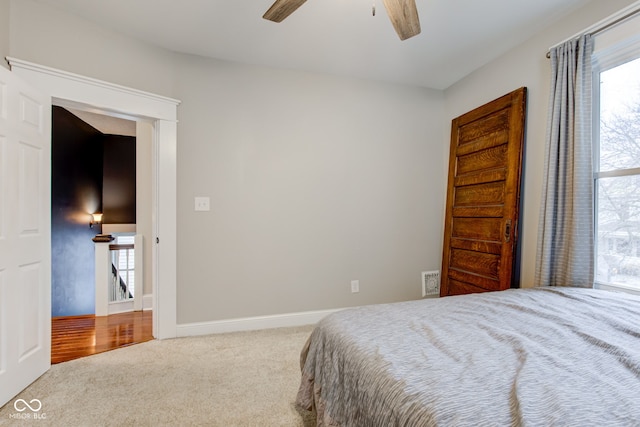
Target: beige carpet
(238, 379)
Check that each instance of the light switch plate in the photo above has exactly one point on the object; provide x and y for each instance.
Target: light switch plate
(202, 204)
(355, 286)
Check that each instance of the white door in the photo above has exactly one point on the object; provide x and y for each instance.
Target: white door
(25, 235)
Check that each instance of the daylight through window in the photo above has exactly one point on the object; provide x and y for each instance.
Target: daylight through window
(617, 173)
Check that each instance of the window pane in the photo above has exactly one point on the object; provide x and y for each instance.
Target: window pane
(620, 117)
(618, 216)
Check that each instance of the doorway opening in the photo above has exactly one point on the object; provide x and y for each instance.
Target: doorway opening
(72, 90)
(101, 168)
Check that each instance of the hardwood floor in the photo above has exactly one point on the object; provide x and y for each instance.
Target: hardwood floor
(78, 336)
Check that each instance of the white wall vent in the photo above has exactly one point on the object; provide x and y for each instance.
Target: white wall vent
(430, 283)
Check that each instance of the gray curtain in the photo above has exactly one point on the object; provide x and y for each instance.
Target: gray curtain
(565, 252)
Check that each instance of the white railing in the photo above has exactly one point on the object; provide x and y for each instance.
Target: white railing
(122, 283)
(118, 270)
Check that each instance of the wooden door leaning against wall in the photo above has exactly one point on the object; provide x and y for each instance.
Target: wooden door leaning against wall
(483, 196)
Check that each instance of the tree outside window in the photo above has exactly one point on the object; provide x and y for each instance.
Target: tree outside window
(617, 176)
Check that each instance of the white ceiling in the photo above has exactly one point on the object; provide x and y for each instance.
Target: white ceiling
(334, 36)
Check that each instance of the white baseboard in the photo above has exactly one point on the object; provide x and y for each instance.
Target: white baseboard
(147, 302)
(252, 323)
(127, 306)
(120, 307)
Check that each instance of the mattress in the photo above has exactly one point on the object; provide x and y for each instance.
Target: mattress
(521, 357)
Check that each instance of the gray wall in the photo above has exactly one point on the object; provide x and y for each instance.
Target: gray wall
(43, 34)
(314, 181)
(349, 186)
(5, 10)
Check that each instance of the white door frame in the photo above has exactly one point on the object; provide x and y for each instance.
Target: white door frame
(90, 94)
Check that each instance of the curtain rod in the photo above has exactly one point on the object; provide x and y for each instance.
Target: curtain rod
(624, 14)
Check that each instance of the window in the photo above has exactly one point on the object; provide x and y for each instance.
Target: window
(617, 168)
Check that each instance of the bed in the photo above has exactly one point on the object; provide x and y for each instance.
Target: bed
(520, 357)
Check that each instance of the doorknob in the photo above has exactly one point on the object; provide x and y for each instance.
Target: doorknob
(507, 231)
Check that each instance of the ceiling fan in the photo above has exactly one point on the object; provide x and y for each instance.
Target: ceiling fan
(403, 14)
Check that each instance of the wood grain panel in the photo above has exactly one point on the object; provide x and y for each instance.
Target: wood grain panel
(280, 9)
(490, 158)
(481, 177)
(478, 262)
(476, 280)
(477, 245)
(477, 228)
(495, 211)
(494, 123)
(481, 194)
(486, 142)
(461, 288)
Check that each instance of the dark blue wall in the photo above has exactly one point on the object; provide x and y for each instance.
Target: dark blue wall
(76, 192)
(79, 155)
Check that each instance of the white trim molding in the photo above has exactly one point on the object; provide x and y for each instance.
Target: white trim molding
(620, 16)
(147, 302)
(77, 88)
(118, 307)
(253, 323)
(127, 306)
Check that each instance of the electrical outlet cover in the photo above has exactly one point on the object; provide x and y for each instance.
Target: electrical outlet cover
(202, 203)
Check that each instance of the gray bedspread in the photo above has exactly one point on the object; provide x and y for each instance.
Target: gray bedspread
(521, 357)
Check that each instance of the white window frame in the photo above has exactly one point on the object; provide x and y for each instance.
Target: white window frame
(606, 59)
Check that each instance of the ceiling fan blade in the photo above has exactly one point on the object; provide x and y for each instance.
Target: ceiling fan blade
(404, 17)
(281, 9)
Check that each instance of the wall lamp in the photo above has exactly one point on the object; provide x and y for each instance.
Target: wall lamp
(96, 218)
